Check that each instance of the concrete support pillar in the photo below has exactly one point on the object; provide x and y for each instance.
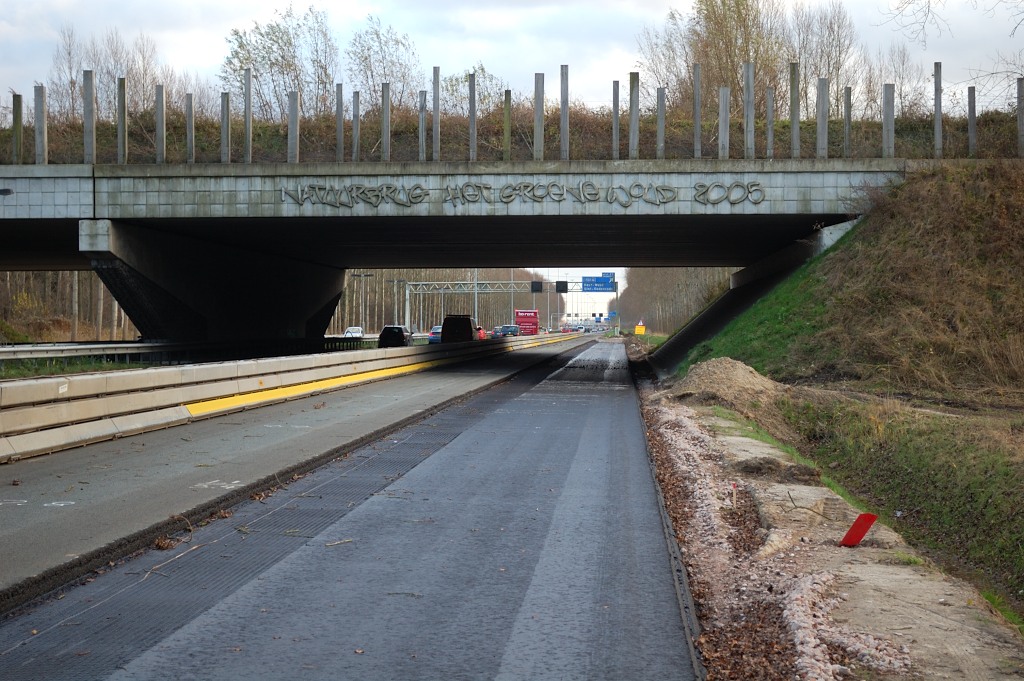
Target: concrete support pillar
(339, 124)
(723, 122)
(293, 127)
(697, 130)
(190, 129)
(769, 124)
(247, 116)
(42, 143)
(794, 109)
(423, 126)
(972, 123)
(225, 127)
(18, 130)
(634, 115)
(89, 117)
(122, 121)
(823, 106)
(355, 125)
(615, 120)
(938, 109)
(436, 123)
(564, 121)
(888, 120)
(385, 122)
(538, 117)
(748, 111)
(160, 114)
(472, 117)
(659, 151)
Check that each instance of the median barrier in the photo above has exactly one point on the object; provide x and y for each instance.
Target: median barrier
(45, 415)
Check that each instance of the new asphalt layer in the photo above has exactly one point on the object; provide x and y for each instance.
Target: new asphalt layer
(514, 534)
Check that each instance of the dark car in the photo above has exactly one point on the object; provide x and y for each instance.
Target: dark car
(435, 335)
(496, 332)
(510, 330)
(458, 328)
(394, 336)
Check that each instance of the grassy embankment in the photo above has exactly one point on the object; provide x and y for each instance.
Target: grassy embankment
(921, 307)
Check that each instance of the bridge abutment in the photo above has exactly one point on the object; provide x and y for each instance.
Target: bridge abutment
(178, 287)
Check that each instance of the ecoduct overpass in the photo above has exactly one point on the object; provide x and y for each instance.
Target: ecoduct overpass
(258, 252)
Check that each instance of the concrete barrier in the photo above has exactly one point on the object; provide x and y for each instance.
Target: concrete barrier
(45, 415)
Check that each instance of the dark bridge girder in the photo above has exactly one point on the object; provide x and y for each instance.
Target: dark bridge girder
(493, 241)
(280, 278)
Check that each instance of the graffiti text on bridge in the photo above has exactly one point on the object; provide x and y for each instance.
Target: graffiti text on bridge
(584, 192)
(350, 195)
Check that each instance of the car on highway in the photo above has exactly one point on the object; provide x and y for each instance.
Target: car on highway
(509, 329)
(435, 334)
(394, 336)
(458, 328)
(353, 332)
(496, 332)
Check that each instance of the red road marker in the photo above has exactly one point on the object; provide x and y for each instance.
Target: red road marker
(859, 528)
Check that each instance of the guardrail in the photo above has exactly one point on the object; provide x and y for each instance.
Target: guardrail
(177, 352)
(45, 415)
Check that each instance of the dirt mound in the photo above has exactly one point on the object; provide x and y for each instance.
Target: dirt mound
(734, 385)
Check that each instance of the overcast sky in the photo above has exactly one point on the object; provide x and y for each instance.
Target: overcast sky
(513, 39)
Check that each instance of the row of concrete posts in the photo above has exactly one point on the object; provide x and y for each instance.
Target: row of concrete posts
(888, 143)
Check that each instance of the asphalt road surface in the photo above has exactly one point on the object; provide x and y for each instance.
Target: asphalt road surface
(515, 534)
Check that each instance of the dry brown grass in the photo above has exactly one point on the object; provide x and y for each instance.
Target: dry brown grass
(590, 137)
(929, 298)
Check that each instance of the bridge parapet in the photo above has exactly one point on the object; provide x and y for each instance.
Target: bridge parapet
(574, 188)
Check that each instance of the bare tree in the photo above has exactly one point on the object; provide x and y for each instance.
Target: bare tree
(918, 17)
(64, 86)
(721, 36)
(490, 91)
(293, 53)
(111, 59)
(825, 43)
(665, 61)
(379, 55)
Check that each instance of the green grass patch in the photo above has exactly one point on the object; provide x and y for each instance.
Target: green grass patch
(1000, 604)
(943, 486)
(904, 558)
(747, 428)
(34, 368)
(775, 336)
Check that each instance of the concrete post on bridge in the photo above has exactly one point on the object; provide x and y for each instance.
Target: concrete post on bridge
(888, 120)
(42, 145)
(748, 111)
(17, 130)
(723, 123)
(697, 131)
(160, 115)
(89, 117)
(1020, 118)
(938, 109)
(823, 107)
(182, 288)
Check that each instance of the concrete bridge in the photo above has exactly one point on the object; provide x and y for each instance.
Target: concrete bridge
(244, 251)
(221, 252)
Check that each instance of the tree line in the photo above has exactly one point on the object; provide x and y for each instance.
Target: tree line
(299, 52)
